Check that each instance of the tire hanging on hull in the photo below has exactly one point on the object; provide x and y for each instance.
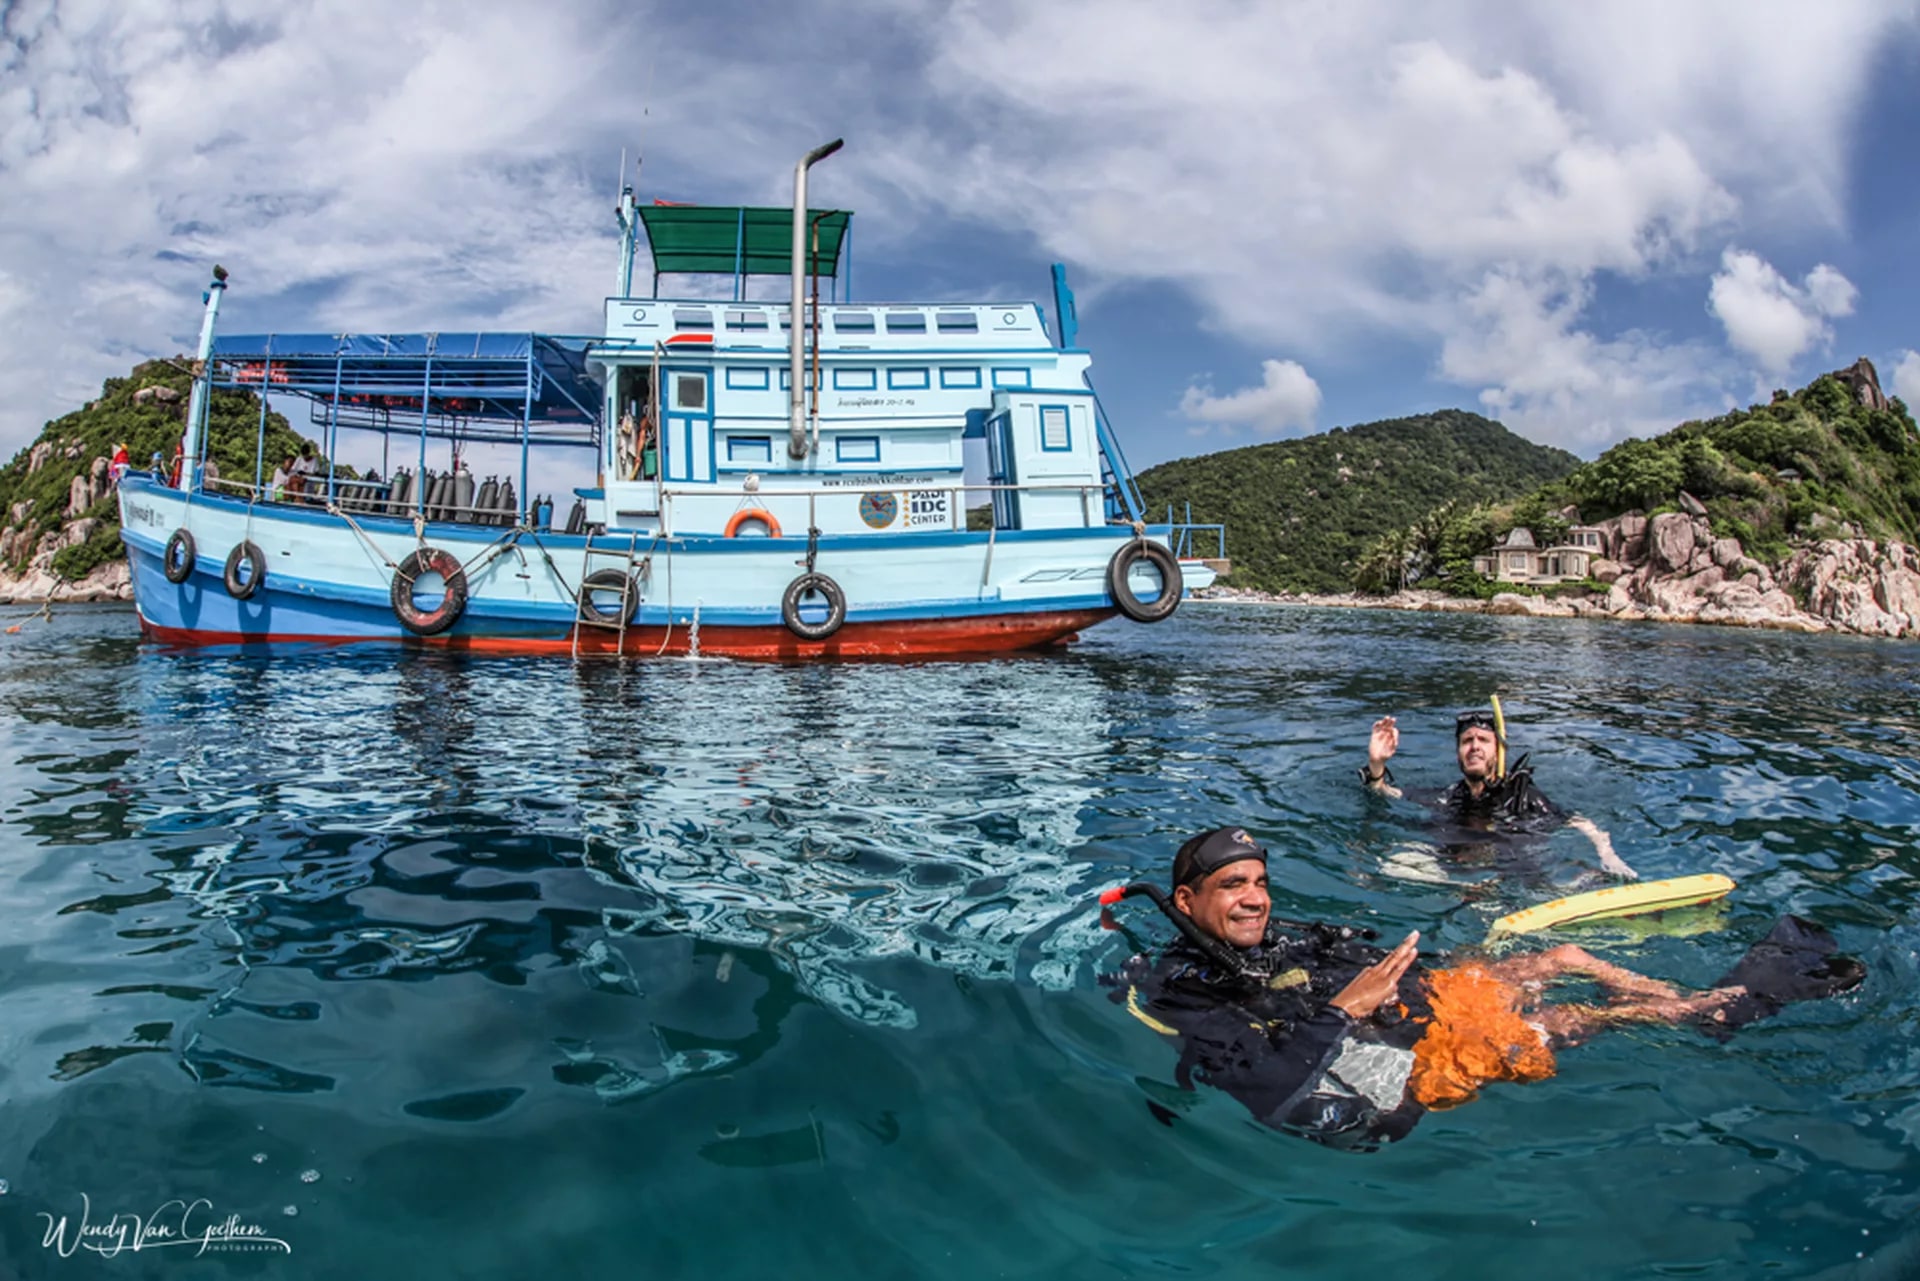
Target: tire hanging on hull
(813, 584)
(453, 600)
(1121, 566)
(610, 580)
(248, 553)
(177, 561)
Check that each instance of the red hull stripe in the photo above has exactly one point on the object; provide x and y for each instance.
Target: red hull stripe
(906, 639)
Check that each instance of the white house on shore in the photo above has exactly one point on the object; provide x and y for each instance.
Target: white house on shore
(1516, 558)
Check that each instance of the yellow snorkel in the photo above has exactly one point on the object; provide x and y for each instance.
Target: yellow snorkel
(1500, 742)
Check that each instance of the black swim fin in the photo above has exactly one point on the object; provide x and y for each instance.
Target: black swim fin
(1796, 961)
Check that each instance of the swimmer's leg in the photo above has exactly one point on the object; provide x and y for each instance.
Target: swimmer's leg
(1539, 967)
(1571, 1024)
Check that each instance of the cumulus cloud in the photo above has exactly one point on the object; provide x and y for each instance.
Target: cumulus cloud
(1906, 377)
(1460, 187)
(1520, 340)
(1286, 400)
(1768, 317)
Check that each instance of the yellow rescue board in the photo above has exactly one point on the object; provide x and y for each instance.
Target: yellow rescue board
(1617, 900)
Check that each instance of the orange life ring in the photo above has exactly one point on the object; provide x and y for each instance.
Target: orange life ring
(746, 514)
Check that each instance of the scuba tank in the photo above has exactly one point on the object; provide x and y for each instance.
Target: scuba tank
(489, 490)
(543, 513)
(577, 518)
(508, 506)
(460, 497)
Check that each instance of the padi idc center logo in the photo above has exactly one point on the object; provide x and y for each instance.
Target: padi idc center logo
(172, 1225)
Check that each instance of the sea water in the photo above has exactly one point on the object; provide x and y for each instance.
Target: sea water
(370, 962)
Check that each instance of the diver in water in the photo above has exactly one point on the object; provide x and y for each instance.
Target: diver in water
(1489, 795)
(1323, 1034)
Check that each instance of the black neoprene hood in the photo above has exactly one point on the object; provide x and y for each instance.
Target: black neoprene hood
(1208, 852)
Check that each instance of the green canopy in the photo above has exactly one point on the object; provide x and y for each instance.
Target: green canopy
(726, 241)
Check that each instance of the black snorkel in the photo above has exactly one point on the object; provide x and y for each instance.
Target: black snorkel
(1210, 947)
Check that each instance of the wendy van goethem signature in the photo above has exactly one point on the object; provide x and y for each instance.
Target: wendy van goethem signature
(172, 1223)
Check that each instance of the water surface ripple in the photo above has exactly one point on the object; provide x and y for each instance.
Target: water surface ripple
(435, 965)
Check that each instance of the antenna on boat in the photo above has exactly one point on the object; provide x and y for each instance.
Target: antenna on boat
(796, 323)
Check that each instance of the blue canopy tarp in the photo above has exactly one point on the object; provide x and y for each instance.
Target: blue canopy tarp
(469, 384)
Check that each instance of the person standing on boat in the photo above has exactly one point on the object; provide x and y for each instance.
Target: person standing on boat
(1320, 1033)
(1487, 794)
(117, 466)
(282, 479)
(303, 470)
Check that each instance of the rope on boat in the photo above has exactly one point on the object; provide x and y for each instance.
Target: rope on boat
(365, 538)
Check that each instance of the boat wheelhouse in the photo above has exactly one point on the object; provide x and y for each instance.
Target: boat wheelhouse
(744, 486)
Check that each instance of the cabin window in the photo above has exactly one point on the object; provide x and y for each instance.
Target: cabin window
(853, 322)
(906, 379)
(690, 391)
(747, 380)
(857, 449)
(957, 322)
(746, 320)
(906, 322)
(961, 378)
(1055, 435)
(786, 379)
(1013, 377)
(855, 380)
(692, 318)
(749, 449)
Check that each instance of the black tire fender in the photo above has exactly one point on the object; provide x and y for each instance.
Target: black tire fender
(176, 562)
(1162, 606)
(610, 580)
(453, 602)
(248, 551)
(810, 585)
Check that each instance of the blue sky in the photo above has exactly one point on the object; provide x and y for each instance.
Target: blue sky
(1586, 221)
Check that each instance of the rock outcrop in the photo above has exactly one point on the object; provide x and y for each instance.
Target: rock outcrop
(1673, 568)
(1861, 379)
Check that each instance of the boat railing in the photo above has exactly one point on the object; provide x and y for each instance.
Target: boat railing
(362, 498)
(1092, 496)
(1190, 540)
(368, 498)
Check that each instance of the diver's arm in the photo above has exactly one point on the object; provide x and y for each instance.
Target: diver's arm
(1602, 845)
(1381, 745)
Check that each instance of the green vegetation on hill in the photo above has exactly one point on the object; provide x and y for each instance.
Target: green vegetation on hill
(1819, 463)
(1299, 512)
(145, 428)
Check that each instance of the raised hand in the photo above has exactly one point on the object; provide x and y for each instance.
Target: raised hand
(1383, 743)
(1378, 983)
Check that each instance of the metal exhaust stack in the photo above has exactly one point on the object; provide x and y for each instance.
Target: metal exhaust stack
(199, 401)
(796, 328)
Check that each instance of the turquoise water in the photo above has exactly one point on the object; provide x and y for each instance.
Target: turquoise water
(434, 966)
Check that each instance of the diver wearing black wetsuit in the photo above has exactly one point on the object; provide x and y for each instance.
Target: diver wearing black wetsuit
(1488, 796)
(1323, 1034)
(1266, 1032)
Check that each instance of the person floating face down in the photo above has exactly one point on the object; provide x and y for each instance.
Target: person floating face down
(1486, 794)
(1321, 1033)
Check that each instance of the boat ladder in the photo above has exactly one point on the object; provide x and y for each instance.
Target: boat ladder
(632, 567)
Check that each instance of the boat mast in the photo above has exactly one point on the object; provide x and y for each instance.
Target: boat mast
(796, 327)
(198, 402)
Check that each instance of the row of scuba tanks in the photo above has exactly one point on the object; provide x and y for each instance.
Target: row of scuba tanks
(451, 496)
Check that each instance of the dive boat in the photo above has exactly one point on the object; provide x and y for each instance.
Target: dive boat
(747, 486)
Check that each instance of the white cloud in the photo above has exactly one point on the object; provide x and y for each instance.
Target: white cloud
(1286, 400)
(1906, 377)
(1769, 318)
(1307, 184)
(1543, 375)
